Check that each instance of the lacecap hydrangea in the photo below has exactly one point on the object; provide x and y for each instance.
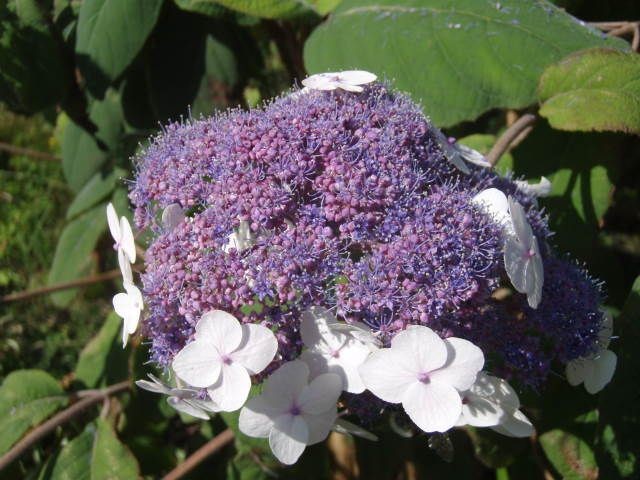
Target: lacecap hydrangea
(306, 243)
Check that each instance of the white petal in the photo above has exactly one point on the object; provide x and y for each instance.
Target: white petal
(113, 222)
(534, 279)
(123, 305)
(350, 88)
(198, 364)
(221, 330)
(606, 331)
(541, 189)
(256, 417)
(321, 394)
(464, 361)
(316, 362)
(155, 386)
(357, 77)
(497, 389)
(347, 428)
(231, 390)
(319, 425)
(520, 223)
(450, 152)
(495, 203)
(576, 370)
(257, 348)
(387, 376)
(359, 331)
(321, 81)
(481, 412)
(172, 216)
(516, 425)
(127, 242)
(473, 156)
(516, 263)
(288, 438)
(285, 384)
(185, 406)
(349, 359)
(125, 266)
(424, 347)
(433, 407)
(601, 373)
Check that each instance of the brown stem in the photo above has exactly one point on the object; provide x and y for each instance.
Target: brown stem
(196, 458)
(508, 137)
(61, 418)
(28, 152)
(100, 277)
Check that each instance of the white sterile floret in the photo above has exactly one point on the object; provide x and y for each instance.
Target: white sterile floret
(185, 400)
(223, 355)
(493, 202)
(332, 347)
(522, 259)
(349, 80)
(291, 411)
(596, 370)
(425, 373)
(128, 306)
(540, 189)
(172, 216)
(450, 151)
(473, 156)
(491, 402)
(124, 242)
(240, 239)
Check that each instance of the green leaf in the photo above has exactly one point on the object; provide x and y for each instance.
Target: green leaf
(27, 397)
(258, 8)
(28, 54)
(495, 450)
(103, 361)
(619, 406)
(570, 455)
(460, 58)
(109, 36)
(72, 258)
(593, 90)
(82, 154)
(95, 190)
(95, 454)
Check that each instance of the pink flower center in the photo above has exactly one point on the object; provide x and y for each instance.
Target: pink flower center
(226, 359)
(424, 377)
(295, 410)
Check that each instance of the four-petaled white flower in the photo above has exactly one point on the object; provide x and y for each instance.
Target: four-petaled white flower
(185, 400)
(223, 355)
(491, 402)
(540, 189)
(349, 80)
(124, 242)
(425, 373)
(522, 259)
(596, 370)
(240, 239)
(172, 216)
(291, 411)
(128, 306)
(335, 347)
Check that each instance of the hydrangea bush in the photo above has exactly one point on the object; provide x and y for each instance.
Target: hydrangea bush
(334, 247)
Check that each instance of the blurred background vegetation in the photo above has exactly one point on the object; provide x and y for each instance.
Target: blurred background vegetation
(84, 83)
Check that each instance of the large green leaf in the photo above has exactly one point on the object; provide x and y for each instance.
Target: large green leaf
(72, 258)
(96, 189)
(83, 154)
(596, 89)
(619, 401)
(95, 454)
(31, 68)
(103, 360)
(27, 397)
(460, 58)
(571, 456)
(110, 34)
(259, 8)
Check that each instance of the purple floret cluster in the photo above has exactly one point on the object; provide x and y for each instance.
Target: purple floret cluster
(353, 206)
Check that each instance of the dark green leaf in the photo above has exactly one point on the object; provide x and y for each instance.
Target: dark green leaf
(82, 154)
(72, 258)
(459, 58)
(595, 89)
(258, 8)
(109, 36)
(27, 397)
(95, 454)
(95, 190)
(495, 450)
(570, 455)
(103, 360)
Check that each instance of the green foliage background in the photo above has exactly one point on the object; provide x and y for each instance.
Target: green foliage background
(87, 81)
